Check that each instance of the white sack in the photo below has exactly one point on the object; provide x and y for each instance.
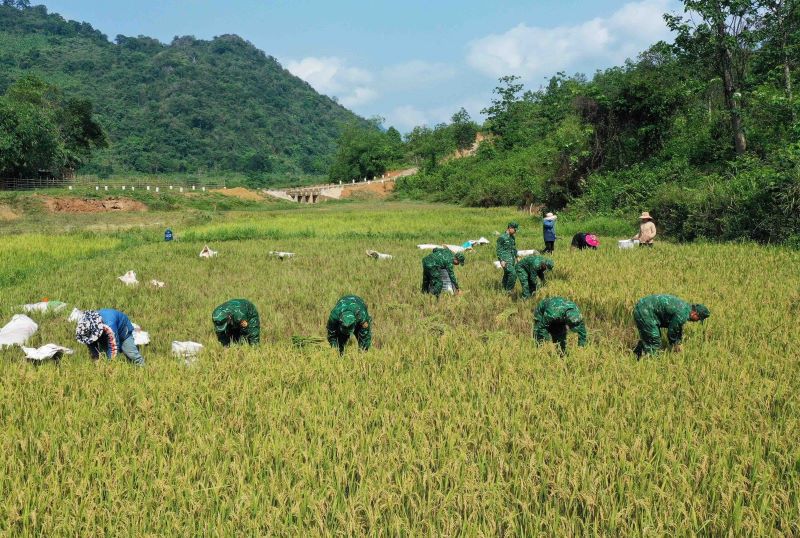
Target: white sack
(281, 255)
(379, 256)
(129, 278)
(481, 241)
(186, 349)
(428, 246)
(455, 248)
(75, 315)
(17, 331)
(531, 252)
(207, 252)
(627, 243)
(47, 351)
(44, 306)
(497, 264)
(140, 337)
(157, 283)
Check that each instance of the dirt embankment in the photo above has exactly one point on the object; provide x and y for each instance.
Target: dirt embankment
(6, 213)
(375, 189)
(84, 205)
(241, 193)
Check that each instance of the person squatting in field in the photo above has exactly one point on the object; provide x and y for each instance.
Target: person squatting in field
(528, 269)
(348, 317)
(553, 317)
(108, 331)
(432, 266)
(506, 251)
(654, 312)
(549, 233)
(236, 321)
(582, 240)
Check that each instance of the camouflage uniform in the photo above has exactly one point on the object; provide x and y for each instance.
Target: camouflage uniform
(507, 252)
(528, 268)
(349, 316)
(432, 265)
(655, 312)
(236, 320)
(553, 317)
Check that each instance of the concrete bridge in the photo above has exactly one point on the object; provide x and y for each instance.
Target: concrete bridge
(335, 191)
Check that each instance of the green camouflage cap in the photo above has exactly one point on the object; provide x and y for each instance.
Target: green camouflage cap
(702, 311)
(513, 224)
(348, 321)
(573, 316)
(461, 258)
(221, 319)
(549, 263)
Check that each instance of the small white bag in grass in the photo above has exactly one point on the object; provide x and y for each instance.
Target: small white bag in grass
(187, 350)
(281, 255)
(140, 337)
(75, 315)
(428, 246)
(157, 283)
(129, 278)
(479, 242)
(48, 351)
(44, 306)
(207, 252)
(531, 252)
(378, 255)
(17, 331)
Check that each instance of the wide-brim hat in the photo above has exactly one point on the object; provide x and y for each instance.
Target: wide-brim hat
(550, 216)
(592, 240)
(89, 328)
(461, 258)
(645, 216)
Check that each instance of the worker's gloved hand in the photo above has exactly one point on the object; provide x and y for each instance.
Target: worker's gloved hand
(458, 292)
(677, 348)
(503, 265)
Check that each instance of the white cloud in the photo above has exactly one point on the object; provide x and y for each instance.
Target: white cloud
(332, 76)
(533, 52)
(355, 87)
(405, 118)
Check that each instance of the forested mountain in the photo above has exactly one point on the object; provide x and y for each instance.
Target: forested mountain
(191, 105)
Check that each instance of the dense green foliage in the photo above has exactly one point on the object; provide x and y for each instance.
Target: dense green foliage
(703, 132)
(192, 105)
(365, 153)
(42, 132)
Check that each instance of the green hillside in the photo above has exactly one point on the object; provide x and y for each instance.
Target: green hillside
(191, 105)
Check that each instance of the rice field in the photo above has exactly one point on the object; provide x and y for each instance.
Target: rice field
(453, 424)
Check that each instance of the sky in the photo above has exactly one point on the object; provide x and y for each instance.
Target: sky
(413, 62)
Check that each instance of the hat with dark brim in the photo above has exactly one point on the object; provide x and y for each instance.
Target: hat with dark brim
(89, 328)
(459, 256)
(348, 321)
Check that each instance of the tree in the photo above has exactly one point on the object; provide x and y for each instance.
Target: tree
(779, 24)
(19, 4)
(464, 130)
(44, 131)
(362, 153)
(726, 30)
(429, 146)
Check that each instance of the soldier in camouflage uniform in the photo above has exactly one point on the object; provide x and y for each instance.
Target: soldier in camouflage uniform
(236, 320)
(348, 317)
(654, 312)
(507, 255)
(528, 269)
(432, 266)
(553, 317)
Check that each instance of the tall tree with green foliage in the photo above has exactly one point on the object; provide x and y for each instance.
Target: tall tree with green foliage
(725, 35)
(463, 130)
(41, 130)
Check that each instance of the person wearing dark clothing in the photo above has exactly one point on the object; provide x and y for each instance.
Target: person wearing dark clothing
(582, 240)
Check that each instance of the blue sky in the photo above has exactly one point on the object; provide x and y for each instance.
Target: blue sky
(412, 62)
